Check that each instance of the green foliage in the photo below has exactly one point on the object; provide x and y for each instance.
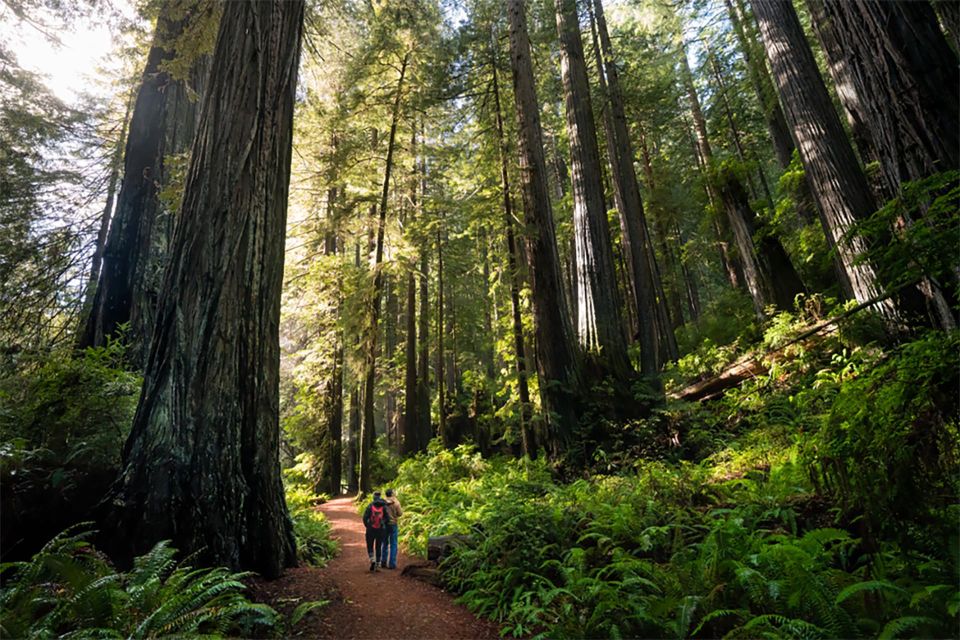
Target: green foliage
(311, 528)
(69, 589)
(75, 410)
(773, 529)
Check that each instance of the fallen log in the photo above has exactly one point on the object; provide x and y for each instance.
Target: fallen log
(439, 547)
(425, 571)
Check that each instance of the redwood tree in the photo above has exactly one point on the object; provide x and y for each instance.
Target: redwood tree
(201, 465)
(162, 124)
(835, 176)
(557, 364)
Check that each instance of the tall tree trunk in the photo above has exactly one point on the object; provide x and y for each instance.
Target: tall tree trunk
(201, 464)
(527, 434)
(333, 409)
(831, 166)
(599, 327)
(557, 362)
(423, 334)
(368, 428)
(410, 431)
(441, 352)
(635, 237)
(97, 259)
(163, 123)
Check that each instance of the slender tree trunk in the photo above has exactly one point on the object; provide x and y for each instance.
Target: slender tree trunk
(409, 434)
(441, 353)
(768, 273)
(368, 428)
(333, 409)
(423, 337)
(831, 166)
(201, 465)
(557, 362)
(527, 435)
(162, 123)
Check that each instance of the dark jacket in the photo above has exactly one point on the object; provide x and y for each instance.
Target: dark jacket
(367, 514)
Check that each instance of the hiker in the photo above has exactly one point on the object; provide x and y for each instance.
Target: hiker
(375, 521)
(394, 511)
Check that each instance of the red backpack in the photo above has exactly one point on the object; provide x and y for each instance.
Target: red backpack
(376, 517)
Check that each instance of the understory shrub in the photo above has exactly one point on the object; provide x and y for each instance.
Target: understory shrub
(70, 590)
(310, 526)
(773, 529)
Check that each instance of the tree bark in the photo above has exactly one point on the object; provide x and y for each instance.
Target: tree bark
(768, 274)
(527, 434)
(904, 83)
(635, 237)
(201, 465)
(163, 123)
(557, 362)
(599, 326)
(828, 159)
(97, 259)
(409, 433)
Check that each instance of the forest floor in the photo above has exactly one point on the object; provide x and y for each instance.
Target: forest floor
(380, 605)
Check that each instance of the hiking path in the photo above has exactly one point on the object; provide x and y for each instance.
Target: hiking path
(380, 605)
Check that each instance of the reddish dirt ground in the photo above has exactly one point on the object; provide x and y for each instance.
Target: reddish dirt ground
(383, 605)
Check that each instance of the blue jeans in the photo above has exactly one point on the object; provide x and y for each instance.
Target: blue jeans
(391, 542)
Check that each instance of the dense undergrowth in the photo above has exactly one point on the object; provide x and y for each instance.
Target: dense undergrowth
(817, 501)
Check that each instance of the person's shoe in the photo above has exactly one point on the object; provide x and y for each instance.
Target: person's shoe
(373, 566)
(393, 567)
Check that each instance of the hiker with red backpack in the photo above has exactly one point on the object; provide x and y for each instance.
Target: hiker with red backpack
(375, 521)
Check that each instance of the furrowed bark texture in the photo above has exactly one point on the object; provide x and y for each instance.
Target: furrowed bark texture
(557, 364)
(599, 327)
(134, 255)
(904, 83)
(637, 248)
(835, 176)
(201, 465)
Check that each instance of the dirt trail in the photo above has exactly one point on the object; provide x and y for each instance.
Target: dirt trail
(382, 605)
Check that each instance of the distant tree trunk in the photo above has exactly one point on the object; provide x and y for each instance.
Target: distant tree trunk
(410, 432)
(163, 121)
(557, 362)
(599, 326)
(527, 434)
(333, 409)
(635, 237)
(423, 337)
(201, 465)
(768, 273)
(353, 441)
(97, 259)
(831, 166)
(389, 345)
(368, 428)
(441, 352)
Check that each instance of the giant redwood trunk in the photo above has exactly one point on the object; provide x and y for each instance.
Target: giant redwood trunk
(904, 83)
(557, 364)
(201, 465)
(134, 254)
(599, 326)
(635, 238)
(835, 176)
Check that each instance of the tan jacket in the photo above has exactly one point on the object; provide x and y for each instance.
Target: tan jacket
(394, 510)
